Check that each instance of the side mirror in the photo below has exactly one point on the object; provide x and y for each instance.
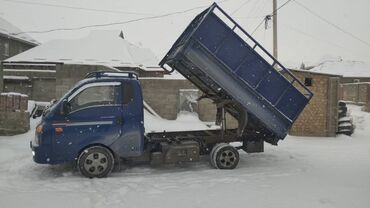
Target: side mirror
(53, 101)
(65, 107)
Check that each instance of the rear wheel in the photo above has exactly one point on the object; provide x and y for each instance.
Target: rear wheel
(224, 156)
(95, 162)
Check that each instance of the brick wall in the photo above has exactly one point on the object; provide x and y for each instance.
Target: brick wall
(14, 118)
(319, 118)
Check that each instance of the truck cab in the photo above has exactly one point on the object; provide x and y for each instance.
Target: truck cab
(104, 109)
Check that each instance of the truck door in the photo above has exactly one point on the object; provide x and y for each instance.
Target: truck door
(131, 141)
(95, 116)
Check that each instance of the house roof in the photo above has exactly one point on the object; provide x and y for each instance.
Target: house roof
(313, 72)
(344, 68)
(98, 48)
(9, 30)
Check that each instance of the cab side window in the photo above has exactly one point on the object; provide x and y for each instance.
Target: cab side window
(94, 96)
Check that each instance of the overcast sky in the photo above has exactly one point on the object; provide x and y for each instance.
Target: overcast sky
(302, 36)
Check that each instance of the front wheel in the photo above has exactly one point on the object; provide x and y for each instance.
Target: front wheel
(224, 156)
(95, 162)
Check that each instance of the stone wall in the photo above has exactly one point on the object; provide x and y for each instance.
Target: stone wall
(14, 118)
(320, 116)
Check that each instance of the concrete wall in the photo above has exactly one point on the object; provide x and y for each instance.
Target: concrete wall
(68, 75)
(15, 47)
(320, 117)
(14, 118)
(49, 81)
(43, 89)
(366, 107)
(345, 80)
(1, 78)
(40, 86)
(163, 96)
(355, 92)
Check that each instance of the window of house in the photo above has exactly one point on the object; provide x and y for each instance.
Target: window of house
(356, 80)
(6, 49)
(308, 82)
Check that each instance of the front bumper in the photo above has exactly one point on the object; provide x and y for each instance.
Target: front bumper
(41, 154)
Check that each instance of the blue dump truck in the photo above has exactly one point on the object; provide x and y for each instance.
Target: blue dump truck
(100, 121)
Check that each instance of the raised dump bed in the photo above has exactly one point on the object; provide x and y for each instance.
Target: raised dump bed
(235, 71)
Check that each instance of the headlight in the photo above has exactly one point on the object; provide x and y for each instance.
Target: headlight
(39, 129)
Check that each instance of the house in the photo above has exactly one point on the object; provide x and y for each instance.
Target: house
(12, 42)
(320, 116)
(54, 67)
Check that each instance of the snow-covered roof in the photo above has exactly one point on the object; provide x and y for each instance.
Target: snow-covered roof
(344, 68)
(11, 31)
(98, 48)
(313, 72)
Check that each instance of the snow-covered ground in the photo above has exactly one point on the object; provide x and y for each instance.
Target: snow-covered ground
(300, 172)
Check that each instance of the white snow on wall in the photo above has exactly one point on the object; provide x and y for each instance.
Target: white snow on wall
(98, 48)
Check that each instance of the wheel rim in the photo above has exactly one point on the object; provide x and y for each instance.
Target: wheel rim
(96, 163)
(227, 158)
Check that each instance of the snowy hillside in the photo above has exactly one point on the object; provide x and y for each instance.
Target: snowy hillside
(300, 172)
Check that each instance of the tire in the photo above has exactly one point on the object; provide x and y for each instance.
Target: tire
(225, 156)
(95, 162)
(211, 155)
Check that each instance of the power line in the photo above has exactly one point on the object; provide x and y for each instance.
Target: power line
(256, 28)
(116, 23)
(274, 12)
(241, 6)
(331, 23)
(74, 7)
(268, 17)
(323, 40)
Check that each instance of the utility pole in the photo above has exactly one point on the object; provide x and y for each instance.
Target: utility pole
(274, 22)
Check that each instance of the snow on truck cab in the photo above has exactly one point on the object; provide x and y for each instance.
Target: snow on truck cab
(100, 121)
